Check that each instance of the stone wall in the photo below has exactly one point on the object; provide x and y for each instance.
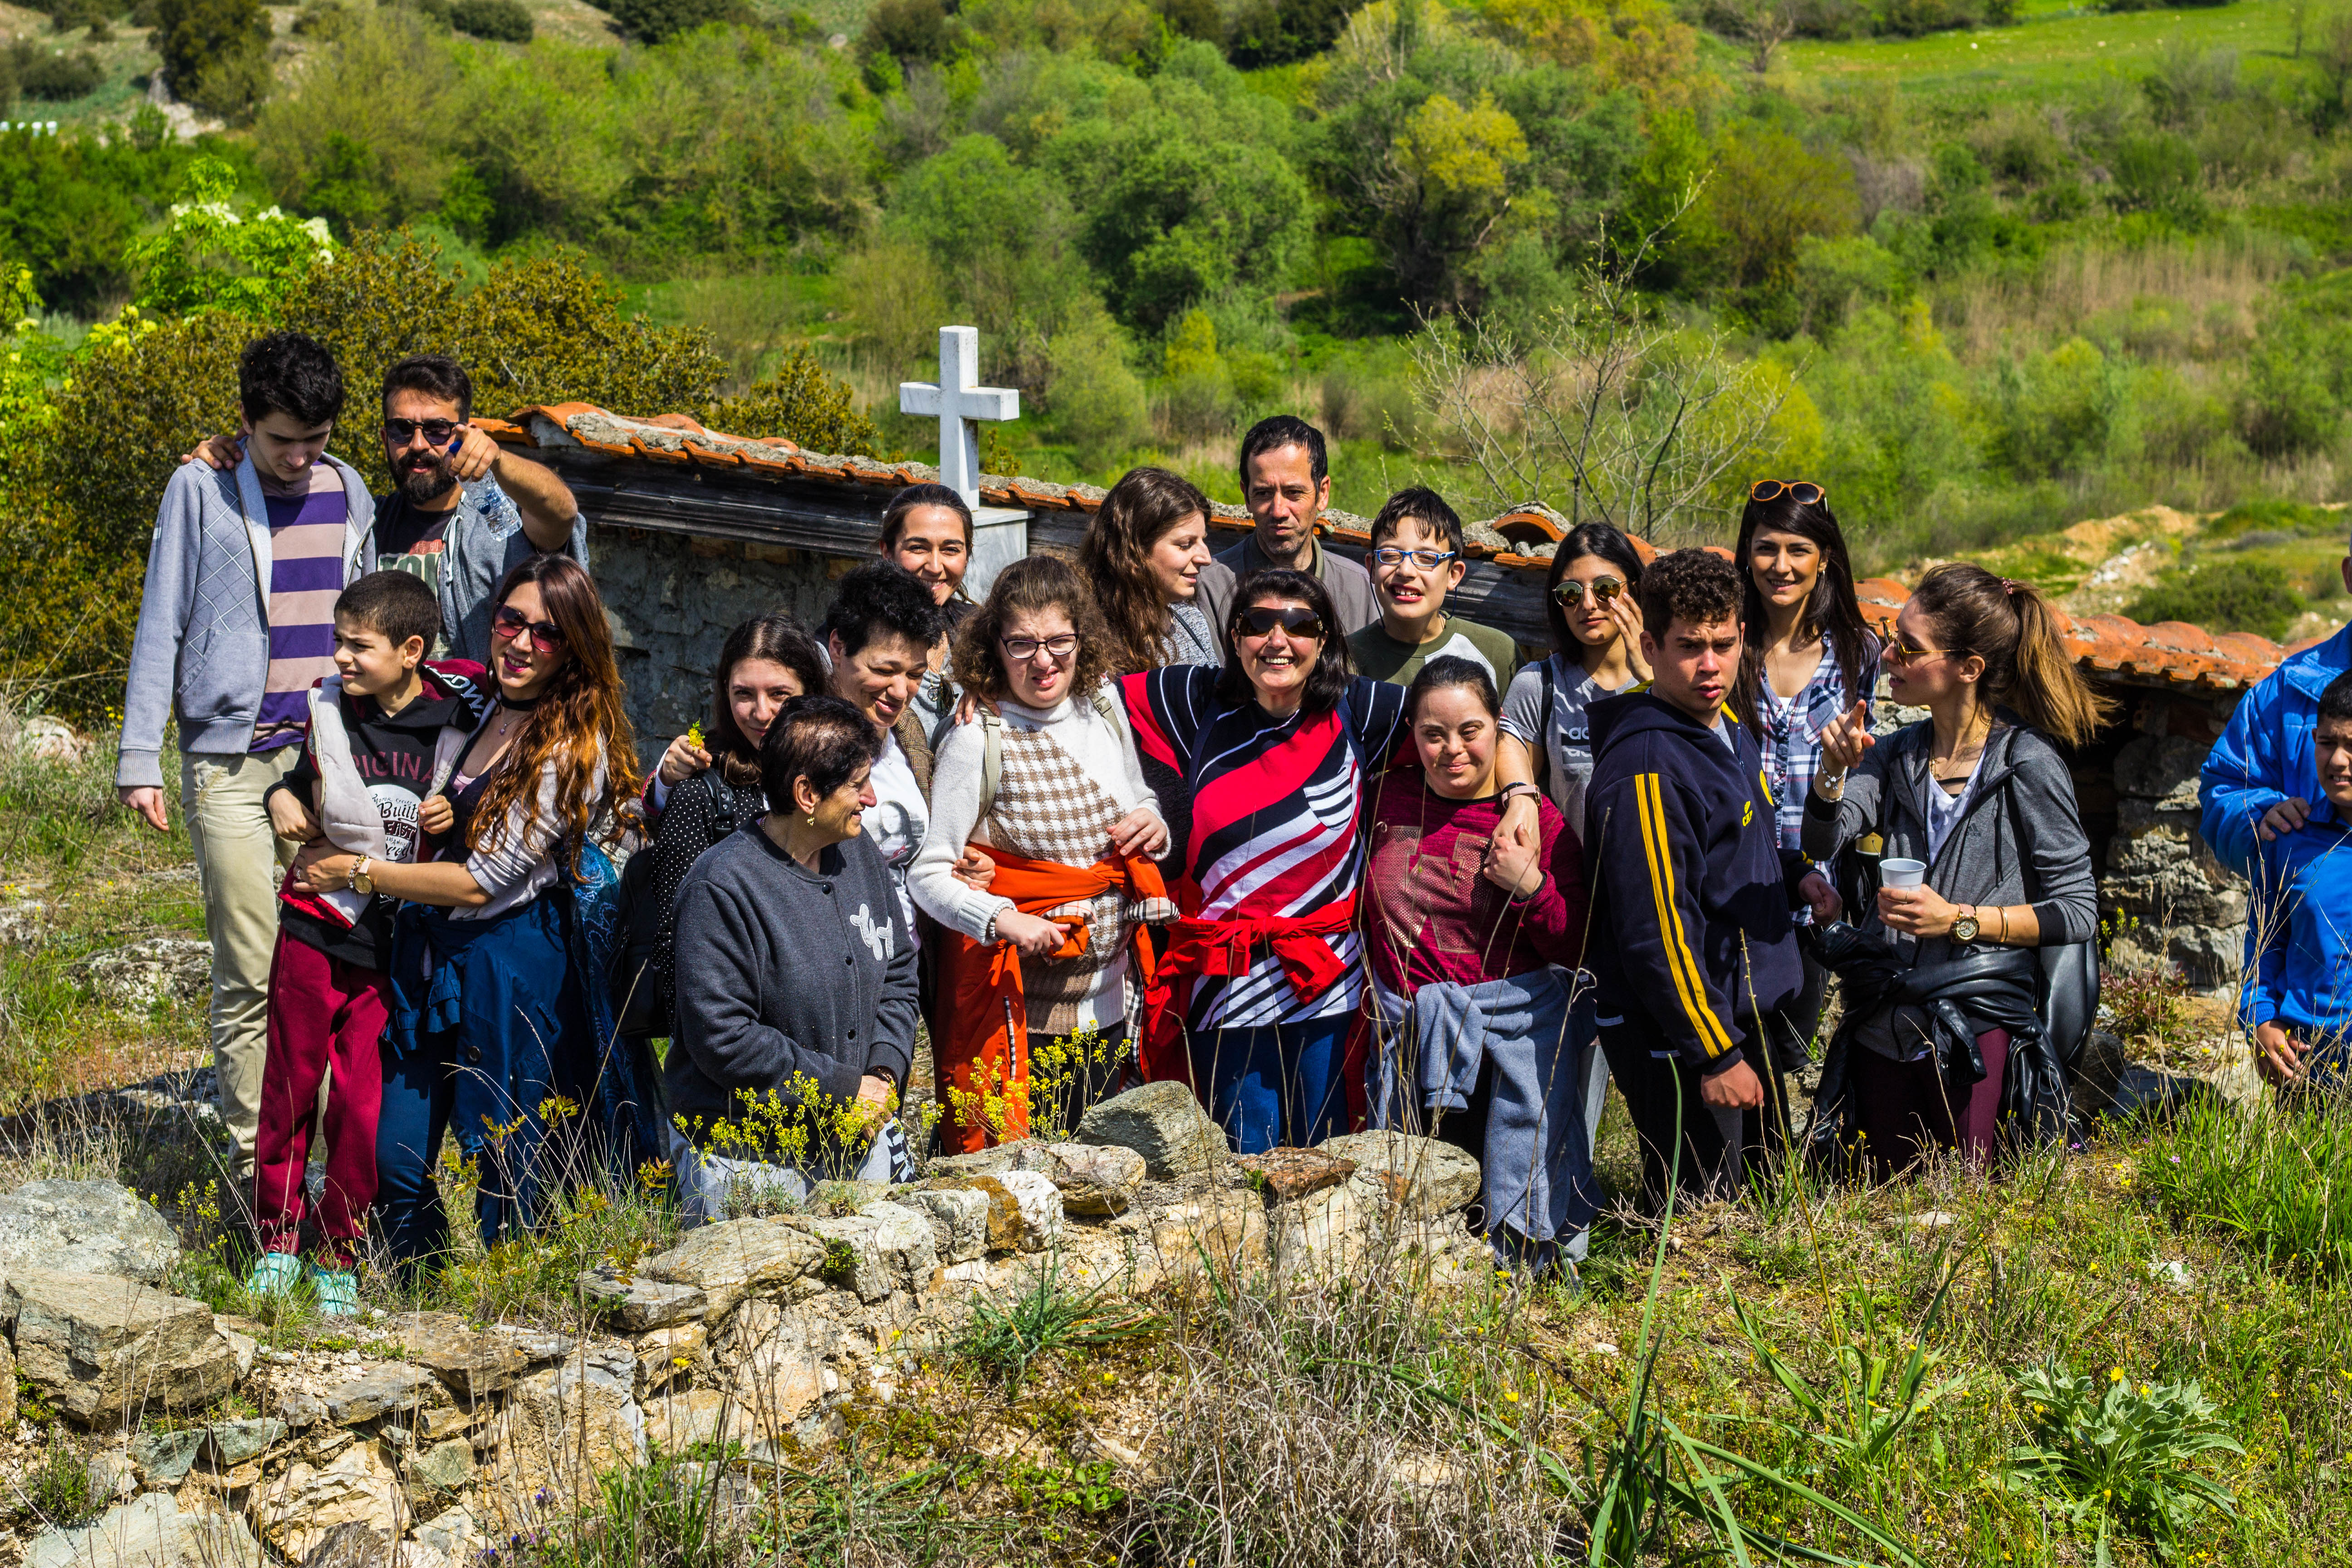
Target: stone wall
(672, 598)
(2160, 882)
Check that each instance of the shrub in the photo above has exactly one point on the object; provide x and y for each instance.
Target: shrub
(214, 53)
(1770, 192)
(56, 77)
(2123, 1455)
(651, 21)
(507, 21)
(2223, 596)
(907, 30)
(801, 404)
(2158, 175)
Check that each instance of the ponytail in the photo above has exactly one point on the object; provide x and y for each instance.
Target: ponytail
(2010, 626)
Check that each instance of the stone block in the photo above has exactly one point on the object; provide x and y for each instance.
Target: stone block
(85, 1227)
(150, 1532)
(665, 1355)
(445, 1467)
(387, 1390)
(958, 1220)
(2162, 769)
(685, 1418)
(1424, 1177)
(882, 1247)
(774, 1359)
(1039, 1204)
(564, 1425)
(235, 1442)
(989, 1161)
(299, 1510)
(102, 1347)
(1287, 1175)
(164, 1458)
(1325, 1231)
(471, 1365)
(636, 1304)
(736, 1258)
(1223, 1234)
(1161, 1121)
(1093, 1179)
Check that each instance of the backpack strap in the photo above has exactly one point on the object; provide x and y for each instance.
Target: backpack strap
(1543, 740)
(991, 761)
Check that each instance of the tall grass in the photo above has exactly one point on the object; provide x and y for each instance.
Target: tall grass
(2276, 1182)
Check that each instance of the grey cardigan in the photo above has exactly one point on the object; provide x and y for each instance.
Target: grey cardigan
(202, 650)
(2020, 840)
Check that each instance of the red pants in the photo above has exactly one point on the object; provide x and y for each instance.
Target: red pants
(322, 1011)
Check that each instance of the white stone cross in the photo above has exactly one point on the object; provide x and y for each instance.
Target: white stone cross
(957, 401)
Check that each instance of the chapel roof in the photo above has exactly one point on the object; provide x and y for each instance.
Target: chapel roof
(2172, 654)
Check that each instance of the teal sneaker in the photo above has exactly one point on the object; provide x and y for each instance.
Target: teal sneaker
(274, 1274)
(339, 1292)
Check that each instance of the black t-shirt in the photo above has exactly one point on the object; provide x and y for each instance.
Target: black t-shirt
(394, 756)
(410, 538)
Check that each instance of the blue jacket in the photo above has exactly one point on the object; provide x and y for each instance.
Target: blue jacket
(2265, 755)
(2299, 940)
(1689, 880)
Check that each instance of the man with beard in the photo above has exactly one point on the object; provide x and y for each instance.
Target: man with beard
(463, 511)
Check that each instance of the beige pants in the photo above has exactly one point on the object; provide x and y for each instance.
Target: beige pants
(238, 865)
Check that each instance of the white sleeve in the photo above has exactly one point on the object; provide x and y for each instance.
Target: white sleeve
(955, 817)
(523, 845)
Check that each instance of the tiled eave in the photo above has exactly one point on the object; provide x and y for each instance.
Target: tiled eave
(669, 473)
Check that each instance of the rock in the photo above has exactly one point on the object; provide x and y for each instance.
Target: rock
(1093, 1178)
(958, 1219)
(301, 1508)
(2160, 769)
(51, 740)
(471, 1365)
(1223, 1233)
(235, 1442)
(665, 1355)
(635, 1305)
(884, 1246)
(564, 1425)
(164, 1456)
(1326, 1231)
(8, 1387)
(678, 1421)
(1285, 1175)
(151, 1533)
(177, 971)
(988, 1162)
(85, 1227)
(775, 1356)
(449, 1421)
(100, 1348)
(1425, 1177)
(394, 1387)
(245, 1346)
(736, 1258)
(1161, 1121)
(449, 1539)
(1039, 1204)
(353, 1545)
(112, 1476)
(300, 1409)
(445, 1467)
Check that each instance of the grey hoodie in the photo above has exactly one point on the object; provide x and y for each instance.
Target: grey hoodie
(2019, 839)
(201, 651)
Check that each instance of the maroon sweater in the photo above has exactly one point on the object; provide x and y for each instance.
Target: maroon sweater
(1429, 911)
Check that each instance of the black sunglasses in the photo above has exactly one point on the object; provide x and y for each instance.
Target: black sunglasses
(439, 432)
(1262, 618)
(510, 623)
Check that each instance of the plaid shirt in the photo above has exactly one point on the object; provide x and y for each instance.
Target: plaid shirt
(1789, 730)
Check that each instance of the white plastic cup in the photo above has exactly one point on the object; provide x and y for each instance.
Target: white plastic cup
(1902, 873)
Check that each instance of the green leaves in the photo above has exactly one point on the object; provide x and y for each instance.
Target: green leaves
(210, 256)
(2121, 1455)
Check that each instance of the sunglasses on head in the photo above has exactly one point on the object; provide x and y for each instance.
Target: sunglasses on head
(1261, 619)
(1571, 590)
(510, 623)
(1804, 492)
(438, 432)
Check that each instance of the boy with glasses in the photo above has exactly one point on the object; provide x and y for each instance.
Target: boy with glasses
(1417, 558)
(464, 511)
(236, 622)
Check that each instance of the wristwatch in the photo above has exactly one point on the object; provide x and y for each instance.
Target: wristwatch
(362, 882)
(1965, 929)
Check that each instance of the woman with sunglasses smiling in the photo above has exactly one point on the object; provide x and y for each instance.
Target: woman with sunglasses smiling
(1978, 793)
(1046, 785)
(1806, 659)
(499, 1010)
(1592, 602)
(1253, 999)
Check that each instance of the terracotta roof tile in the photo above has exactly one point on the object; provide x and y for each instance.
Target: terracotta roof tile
(2174, 652)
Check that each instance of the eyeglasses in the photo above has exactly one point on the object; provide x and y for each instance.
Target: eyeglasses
(510, 623)
(1021, 650)
(1899, 652)
(438, 432)
(1571, 590)
(1261, 620)
(1427, 559)
(1804, 492)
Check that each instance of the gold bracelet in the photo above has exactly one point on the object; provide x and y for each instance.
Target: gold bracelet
(2003, 937)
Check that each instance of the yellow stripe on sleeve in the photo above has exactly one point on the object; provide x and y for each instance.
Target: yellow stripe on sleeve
(1649, 799)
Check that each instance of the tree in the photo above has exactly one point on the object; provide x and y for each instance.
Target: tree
(210, 256)
(216, 53)
(1768, 192)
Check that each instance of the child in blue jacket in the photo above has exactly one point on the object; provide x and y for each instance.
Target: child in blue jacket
(2297, 997)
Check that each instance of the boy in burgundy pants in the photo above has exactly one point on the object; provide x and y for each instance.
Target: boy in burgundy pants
(366, 768)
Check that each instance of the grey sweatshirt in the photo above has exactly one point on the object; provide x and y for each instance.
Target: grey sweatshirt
(1349, 585)
(780, 971)
(202, 650)
(2019, 839)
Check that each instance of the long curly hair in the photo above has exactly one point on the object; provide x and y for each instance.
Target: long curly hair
(1030, 585)
(1145, 506)
(578, 723)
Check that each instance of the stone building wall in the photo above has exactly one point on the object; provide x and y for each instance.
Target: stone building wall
(2159, 881)
(672, 598)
